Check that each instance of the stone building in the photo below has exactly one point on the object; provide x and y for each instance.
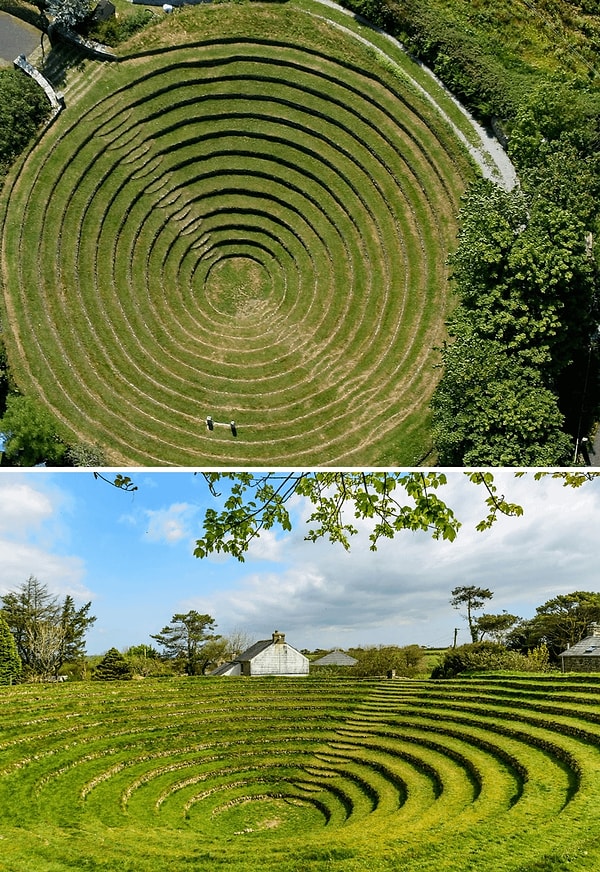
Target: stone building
(270, 657)
(584, 656)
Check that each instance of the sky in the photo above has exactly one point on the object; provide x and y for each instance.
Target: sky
(131, 555)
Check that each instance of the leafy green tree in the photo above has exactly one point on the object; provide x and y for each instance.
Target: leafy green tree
(10, 662)
(112, 667)
(74, 624)
(523, 275)
(495, 626)
(473, 598)
(185, 638)
(47, 633)
(30, 433)
(214, 652)
(145, 661)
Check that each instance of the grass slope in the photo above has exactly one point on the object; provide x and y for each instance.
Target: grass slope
(248, 218)
(301, 774)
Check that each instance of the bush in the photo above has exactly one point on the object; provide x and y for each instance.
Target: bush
(489, 657)
(407, 661)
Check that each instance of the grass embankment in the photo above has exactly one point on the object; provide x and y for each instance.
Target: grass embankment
(302, 774)
(236, 225)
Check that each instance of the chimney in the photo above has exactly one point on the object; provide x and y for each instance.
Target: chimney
(594, 629)
(279, 638)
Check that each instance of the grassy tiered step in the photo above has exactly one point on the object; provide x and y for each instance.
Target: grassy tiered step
(241, 226)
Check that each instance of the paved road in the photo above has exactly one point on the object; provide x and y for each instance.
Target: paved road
(16, 37)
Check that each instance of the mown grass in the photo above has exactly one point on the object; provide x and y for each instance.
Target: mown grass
(302, 774)
(301, 163)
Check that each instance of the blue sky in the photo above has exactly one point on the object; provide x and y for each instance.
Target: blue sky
(131, 555)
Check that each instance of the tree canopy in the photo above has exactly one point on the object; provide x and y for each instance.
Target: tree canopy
(30, 434)
(190, 639)
(389, 502)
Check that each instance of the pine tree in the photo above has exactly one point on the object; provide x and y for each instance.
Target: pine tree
(10, 662)
(113, 667)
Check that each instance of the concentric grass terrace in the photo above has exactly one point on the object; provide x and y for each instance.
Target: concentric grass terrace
(248, 217)
(301, 775)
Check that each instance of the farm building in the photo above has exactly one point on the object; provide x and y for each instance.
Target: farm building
(584, 656)
(335, 658)
(270, 657)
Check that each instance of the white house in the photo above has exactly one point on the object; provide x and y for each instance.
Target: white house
(270, 657)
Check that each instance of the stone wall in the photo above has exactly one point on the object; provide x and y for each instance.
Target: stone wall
(56, 98)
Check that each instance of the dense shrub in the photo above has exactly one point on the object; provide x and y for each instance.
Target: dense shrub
(488, 657)
(407, 661)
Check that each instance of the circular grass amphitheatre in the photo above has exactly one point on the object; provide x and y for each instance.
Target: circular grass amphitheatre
(302, 775)
(248, 218)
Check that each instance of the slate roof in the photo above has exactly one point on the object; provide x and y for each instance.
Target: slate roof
(588, 647)
(335, 658)
(255, 649)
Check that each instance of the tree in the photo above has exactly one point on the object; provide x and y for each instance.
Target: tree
(30, 433)
(185, 638)
(74, 623)
(489, 409)
(528, 285)
(473, 598)
(558, 623)
(69, 12)
(10, 662)
(389, 501)
(47, 633)
(112, 667)
(496, 626)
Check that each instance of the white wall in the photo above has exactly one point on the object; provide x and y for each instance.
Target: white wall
(280, 659)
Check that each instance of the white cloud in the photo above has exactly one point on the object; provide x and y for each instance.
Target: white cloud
(22, 506)
(29, 529)
(172, 524)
